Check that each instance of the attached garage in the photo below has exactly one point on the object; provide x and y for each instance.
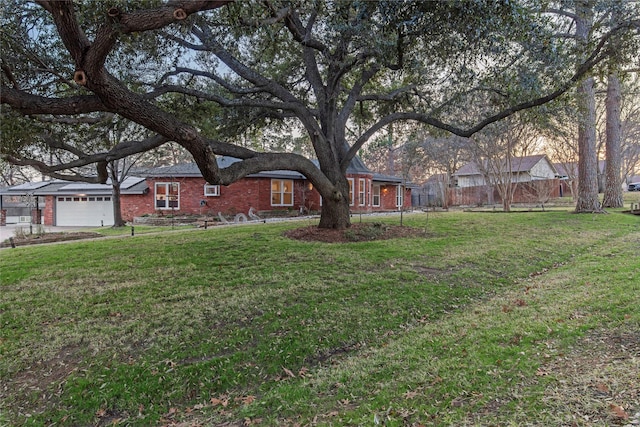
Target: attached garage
(88, 204)
(76, 204)
(91, 211)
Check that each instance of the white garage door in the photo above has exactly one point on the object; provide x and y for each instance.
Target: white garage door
(91, 211)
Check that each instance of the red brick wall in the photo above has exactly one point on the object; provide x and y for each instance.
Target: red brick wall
(3, 217)
(132, 205)
(240, 196)
(36, 216)
(308, 195)
(388, 197)
(49, 201)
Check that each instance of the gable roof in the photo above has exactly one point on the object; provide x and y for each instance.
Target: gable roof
(566, 169)
(518, 165)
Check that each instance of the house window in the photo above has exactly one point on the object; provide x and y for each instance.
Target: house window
(211, 190)
(376, 195)
(281, 192)
(167, 195)
(361, 192)
(351, 195)
(399, 196)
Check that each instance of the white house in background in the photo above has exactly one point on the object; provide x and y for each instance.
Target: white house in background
(523, 169)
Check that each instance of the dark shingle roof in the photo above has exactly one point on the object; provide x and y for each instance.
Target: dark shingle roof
(356, 166)
(191, 170)
(131, 185)
(386, 179)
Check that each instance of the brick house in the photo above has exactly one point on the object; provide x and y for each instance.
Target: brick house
(181, 190)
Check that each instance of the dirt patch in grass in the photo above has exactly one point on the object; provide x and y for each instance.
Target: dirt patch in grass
(36, 239)
(45, 379)
(597, 380)
(361, 232)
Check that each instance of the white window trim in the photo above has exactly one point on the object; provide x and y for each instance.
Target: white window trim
(362, 192)
(166, 185)
(352, 188)
(399, 196)
(373, 198)
(211, 190)
(282, 193)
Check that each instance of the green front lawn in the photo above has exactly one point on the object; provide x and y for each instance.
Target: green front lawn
(473, 324)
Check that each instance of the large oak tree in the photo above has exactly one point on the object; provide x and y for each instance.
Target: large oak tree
(200, 73)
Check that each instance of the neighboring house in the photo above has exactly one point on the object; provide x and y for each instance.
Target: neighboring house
(20, 208)
(181, 190)
(523, 169)
(533, 176)
(568, 176)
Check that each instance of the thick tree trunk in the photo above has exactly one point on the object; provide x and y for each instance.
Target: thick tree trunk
(613, 184)
(585, 98)
(587, 154)
(117, 212)
(587, 200)
(335, 214)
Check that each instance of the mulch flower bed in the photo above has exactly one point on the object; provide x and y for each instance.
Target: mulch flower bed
(35, 239)
(359, 232)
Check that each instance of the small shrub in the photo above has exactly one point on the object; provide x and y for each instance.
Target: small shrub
(19, 233)
(40, 231)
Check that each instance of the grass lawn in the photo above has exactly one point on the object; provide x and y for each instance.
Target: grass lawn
(482, 319)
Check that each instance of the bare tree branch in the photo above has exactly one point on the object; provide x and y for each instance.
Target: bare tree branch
(53, 171)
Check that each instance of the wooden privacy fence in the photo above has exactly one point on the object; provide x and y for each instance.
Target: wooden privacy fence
(533, 192)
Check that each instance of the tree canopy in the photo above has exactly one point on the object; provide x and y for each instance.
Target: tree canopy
(201, 73)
